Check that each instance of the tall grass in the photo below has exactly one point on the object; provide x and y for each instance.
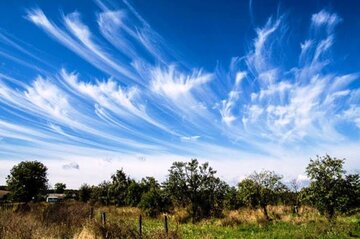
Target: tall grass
(42, 220)
(71, 220)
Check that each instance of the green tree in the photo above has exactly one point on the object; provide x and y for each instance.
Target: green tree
(27, 181)
(60, 187)
(231, 200)
(248, 193)
(331, 190)
(195, 185)
(134, 193)
(261, 189)
(351, 188)
(85, 193)
(119, 187)
(102, 193)
(153, 200)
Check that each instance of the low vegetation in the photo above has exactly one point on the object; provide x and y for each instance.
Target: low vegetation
(72, 220)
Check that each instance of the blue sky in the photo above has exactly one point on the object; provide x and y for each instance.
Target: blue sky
(91, 87)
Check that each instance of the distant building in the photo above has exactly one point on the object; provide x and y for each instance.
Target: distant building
(55, 197)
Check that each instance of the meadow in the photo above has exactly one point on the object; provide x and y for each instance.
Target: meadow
(73, 220)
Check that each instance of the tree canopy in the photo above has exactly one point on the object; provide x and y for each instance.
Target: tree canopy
(331, 190)
(27, 181)
(190, 183)
(59, 187)
(261, 189)
(196, 188)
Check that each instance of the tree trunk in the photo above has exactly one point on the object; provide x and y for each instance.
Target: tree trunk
(266, 213)
(193, 213)
(330, 214)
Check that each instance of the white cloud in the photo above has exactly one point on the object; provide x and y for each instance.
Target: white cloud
(82, 32)
(174, 84)
(228, 104)
(82, 44)
(325, 18)
(190, 138)
(48, 98)
(113, 27)
(107, 94)
(352, 114)
(258, 59)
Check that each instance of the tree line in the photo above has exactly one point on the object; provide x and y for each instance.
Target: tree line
(198, 189)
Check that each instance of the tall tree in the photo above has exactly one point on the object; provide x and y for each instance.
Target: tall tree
(27, 181)
(331, 190)
(190, 183)
(119, 187)
(261, 189)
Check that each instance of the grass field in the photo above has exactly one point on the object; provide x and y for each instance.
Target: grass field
(71, 220)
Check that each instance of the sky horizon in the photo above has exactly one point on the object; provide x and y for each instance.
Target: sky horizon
(91, 87)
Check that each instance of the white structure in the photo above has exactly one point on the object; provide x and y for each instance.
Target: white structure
(55, 197)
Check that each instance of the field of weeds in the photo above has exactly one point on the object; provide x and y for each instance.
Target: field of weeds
(78, 221)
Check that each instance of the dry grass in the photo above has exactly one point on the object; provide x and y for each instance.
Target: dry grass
(43, 220)
(276, 213)
(71, 220)
(181, 215)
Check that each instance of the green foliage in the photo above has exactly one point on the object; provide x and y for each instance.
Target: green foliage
(331, 190)
(71, 194)
(119, 187)
(261, 189)
(153, 200)
(27, 181)
(60, 187)
(114, 192)
(85, 193)
(248, 192)
(102, 193)
(231, 199)
(134, 193)
(196, 185)
(351, 188)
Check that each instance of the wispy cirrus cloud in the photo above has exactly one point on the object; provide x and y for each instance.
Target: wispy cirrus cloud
(149, 103)
(174, 84)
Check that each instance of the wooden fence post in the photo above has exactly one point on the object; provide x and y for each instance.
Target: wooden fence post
(140, 226)
(166, 225)
(103, 218)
